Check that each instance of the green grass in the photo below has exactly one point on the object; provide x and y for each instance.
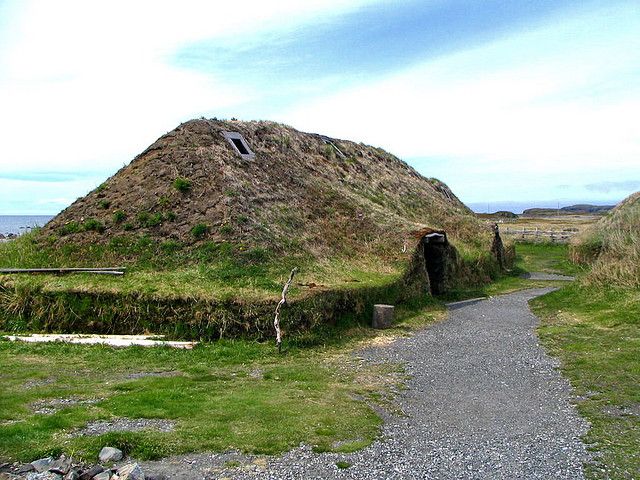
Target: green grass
(183, 185)
(225, 395)
(530, 257)
(171, 269)
(545, 257)
(203, 291)
(596, 334)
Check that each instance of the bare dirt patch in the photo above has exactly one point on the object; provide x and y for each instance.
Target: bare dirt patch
(125, 425)
(49, 406)
(41, 382)
(137, 375)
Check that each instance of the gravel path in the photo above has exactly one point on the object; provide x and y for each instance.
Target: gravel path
(484, 402)
(547, 276)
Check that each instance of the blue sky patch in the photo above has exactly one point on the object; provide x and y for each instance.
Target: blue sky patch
(374, 40)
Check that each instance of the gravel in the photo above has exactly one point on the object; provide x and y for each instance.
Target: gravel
(484, 401)
(49, 406)
(547, 276)
(125, 425)
(137, 375)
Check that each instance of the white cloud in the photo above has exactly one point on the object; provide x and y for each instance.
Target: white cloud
(89, 84)
(85, 86)
(557, 99)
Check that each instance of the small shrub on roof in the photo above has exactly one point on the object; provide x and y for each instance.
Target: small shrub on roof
(148, 220)
(69, 228)
(93, 225)
(181, 184)
(119, 216)
(200, 230)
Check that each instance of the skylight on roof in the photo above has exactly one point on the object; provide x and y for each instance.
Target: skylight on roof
(239, 144)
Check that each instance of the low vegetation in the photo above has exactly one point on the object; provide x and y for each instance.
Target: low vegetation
(544, 257)
(183, 185)
(612, 247)
(593, 326)
(226, 395)
(596, 334)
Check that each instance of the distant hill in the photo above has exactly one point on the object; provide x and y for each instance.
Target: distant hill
(499, 214)
(570, 210)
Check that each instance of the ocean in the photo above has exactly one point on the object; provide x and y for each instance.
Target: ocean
(19, 224)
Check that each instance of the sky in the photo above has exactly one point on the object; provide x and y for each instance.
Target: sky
(512, 103)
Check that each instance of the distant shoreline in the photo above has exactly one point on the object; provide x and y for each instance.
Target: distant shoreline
(519, 207)
(20, 224)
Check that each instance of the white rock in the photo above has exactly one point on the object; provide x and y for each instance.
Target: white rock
(131, 471)
(110, 454)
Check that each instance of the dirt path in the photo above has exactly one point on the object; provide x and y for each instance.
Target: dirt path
(484, 401)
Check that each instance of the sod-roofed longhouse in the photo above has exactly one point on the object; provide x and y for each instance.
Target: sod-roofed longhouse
(268, 185)
(243, 202)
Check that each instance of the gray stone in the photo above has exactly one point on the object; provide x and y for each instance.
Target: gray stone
(42, 465)
(106, 475)
(382, 316)
(110, 454)
(43, 476)
(101, 427)
(72, 475)
(61, 466)
(131, 471)
(92, 472)
(26, 468)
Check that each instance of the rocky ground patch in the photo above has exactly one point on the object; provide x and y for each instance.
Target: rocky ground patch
(65, 468)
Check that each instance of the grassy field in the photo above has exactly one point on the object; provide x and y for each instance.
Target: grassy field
(243, 395)
(225, 395)
(545, 257)
(554, 222)
(596, 334)
(530, 257)
(562, 227)
(593, 326)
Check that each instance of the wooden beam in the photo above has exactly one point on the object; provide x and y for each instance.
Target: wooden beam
(96, 270)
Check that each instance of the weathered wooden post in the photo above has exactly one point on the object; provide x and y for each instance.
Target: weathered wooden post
(382, 316)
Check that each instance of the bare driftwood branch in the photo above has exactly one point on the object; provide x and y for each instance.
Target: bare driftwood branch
(283, 301)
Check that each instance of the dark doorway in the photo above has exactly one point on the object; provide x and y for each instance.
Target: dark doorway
(435, 257)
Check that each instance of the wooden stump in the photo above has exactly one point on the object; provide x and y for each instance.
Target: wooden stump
(382, 316)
